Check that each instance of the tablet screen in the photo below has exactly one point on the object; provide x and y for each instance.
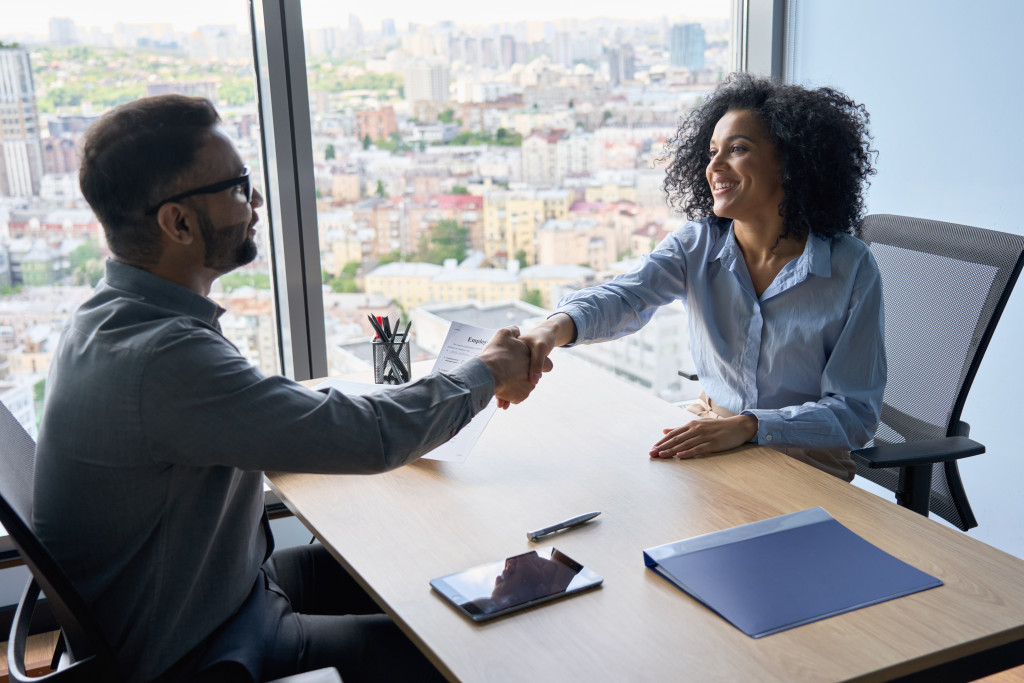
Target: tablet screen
(514, 583)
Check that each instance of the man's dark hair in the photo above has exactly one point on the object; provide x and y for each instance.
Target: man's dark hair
(131, 159)
(822, 141)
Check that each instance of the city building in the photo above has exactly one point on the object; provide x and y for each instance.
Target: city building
(21, 154)
(427, 80)
(553, 281)
(425, 212)
(511, 218)
(415, 284)
(687, 46)
(621, 64)
(377, 124)
(539, 159)
(579, 240)
(406, 283)
(63, 31)
(487, 285)
(60, 155)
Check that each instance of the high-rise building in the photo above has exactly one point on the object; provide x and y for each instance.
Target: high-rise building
(63, 31)
(507, 49)
(355, 30)
(621, 64)
(563, 49)
(686, 46)
(427, 80)
(387, 28)
(21, 156)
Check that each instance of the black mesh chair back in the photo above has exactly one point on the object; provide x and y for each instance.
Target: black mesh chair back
(86, 654)
(945, 286)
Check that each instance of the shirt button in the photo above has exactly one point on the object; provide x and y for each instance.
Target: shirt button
(767, 437)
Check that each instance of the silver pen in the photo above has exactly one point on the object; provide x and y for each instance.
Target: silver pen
(561, 526)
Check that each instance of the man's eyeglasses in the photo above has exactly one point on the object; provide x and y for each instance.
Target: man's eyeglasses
(243, 181)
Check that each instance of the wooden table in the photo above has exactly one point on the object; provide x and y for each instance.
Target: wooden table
(580, 443)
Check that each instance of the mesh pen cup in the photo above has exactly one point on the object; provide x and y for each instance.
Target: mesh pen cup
(390, 362)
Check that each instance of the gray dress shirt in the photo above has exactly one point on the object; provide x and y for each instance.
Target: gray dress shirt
(155, 435)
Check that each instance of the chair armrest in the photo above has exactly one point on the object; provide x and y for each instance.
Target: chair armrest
(927, 452)
(328, 675)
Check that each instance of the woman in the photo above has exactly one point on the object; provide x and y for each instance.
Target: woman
(784, 303)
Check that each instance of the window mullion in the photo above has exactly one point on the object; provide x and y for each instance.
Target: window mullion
(280, 63)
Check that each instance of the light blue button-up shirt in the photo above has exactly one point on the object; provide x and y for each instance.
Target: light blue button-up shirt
(807, 357)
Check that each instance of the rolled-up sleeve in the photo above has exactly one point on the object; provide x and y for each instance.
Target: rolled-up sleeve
(625, 304)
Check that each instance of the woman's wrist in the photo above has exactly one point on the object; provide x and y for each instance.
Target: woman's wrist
(563, 328)
(748, 426)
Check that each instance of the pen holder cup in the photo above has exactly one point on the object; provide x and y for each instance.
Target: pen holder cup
(390, 362)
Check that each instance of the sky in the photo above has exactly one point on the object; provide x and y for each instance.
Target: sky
(21, 17)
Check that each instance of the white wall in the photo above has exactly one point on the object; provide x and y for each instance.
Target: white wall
(942, 82)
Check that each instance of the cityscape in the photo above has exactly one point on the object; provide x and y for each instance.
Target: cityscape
(476, 172)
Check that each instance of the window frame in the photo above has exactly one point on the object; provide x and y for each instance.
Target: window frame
(286, 133)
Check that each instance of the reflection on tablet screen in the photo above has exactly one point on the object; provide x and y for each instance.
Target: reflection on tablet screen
(520, 580)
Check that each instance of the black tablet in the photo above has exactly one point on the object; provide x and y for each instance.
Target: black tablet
(515, 583)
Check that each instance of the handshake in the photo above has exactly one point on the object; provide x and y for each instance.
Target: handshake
(517, 361)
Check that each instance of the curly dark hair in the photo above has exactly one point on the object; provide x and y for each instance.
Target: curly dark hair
(820, 135)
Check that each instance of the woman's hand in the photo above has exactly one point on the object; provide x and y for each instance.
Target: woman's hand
(556, 331)
(705, 437)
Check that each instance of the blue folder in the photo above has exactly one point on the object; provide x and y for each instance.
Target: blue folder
(786, 571)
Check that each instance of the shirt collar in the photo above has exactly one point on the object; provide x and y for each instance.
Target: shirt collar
(161, 291)
(725, 248)
(816, 258)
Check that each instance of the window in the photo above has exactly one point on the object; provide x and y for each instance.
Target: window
(58, 75)
(507, 140)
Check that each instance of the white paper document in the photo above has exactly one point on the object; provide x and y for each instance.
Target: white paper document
(462, 343)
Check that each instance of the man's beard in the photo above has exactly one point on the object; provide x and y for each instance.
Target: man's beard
(223, 253)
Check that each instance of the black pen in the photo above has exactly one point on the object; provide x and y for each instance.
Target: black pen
(561, 526)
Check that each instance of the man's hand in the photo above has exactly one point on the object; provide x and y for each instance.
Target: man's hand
(508, 359)
(704, 437)
(558, 330)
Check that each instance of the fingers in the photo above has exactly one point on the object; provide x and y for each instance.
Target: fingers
(510, 351)
(680, 442)
(538, 359)
(699, 438)
(514, 385)
(540, 347)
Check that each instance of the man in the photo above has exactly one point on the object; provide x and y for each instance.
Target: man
(156, 431)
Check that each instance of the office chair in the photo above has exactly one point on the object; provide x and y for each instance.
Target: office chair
(85, 657)
(945, 286)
